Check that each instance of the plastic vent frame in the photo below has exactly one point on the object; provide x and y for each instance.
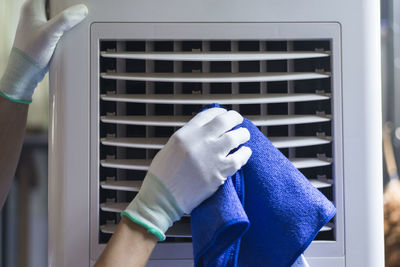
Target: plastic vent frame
(147, 79)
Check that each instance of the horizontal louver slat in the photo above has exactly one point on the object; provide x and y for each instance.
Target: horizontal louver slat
(113, 206)
(178, 121)
(176, 230)
(326, 228)
(158, 143)
(135, 142)
(126, 164)
(122, 185)
(108, 228)
(303, 163)
(320, 184)
(285, 85)
(143, 165)
(222, 99)
(298, 141)
(197, 77)
(119, 207)
(134, 186)
(215, 56)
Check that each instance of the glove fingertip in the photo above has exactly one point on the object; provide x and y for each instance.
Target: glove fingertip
(66, 20)
(76, 14)
(80, 9)
(243, 155)
(248, 150)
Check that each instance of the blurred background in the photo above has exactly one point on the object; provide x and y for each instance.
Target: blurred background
(23, 220)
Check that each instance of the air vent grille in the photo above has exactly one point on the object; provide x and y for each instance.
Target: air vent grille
(148, 89)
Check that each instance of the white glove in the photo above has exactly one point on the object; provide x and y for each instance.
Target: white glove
(189, 169)
(34, 45)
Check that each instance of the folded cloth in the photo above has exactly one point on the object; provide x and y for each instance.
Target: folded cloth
(266, 214)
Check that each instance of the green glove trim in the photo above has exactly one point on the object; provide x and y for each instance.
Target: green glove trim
(159, 234)
(14, 100)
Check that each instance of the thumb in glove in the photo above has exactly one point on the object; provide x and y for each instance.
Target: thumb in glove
(34, 45)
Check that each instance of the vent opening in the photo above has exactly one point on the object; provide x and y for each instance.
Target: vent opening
(148, 89)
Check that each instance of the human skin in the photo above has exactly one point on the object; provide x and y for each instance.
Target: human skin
(13, 118)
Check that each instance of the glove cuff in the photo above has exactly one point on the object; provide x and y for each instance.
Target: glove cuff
(21, 77)
(154, 207)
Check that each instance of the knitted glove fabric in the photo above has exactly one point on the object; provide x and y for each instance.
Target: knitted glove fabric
(34, 45)
(189, 169)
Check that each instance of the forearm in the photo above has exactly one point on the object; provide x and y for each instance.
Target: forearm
(33, 47)
(130, 246)
(12, 129)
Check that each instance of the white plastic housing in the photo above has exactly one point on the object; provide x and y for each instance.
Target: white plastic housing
(354, 26)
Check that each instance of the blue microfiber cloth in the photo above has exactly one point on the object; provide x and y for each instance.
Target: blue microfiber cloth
(266, 214)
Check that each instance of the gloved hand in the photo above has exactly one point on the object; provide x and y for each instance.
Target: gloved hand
(189, 169)
(34, 44)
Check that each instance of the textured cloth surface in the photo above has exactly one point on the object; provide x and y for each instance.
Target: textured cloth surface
(266, 214)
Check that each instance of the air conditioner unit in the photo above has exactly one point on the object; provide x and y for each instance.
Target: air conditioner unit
(306, 72)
